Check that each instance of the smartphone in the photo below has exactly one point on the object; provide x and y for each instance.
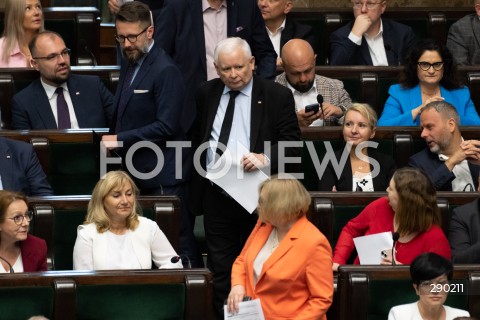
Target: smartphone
(312, 107)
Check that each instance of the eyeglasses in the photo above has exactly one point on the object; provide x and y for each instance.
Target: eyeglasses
(425, 66)
(65, 53)
(18, 220)
(131, 37)
(430, 286)
(370, 5)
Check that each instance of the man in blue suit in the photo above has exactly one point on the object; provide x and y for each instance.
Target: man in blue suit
(182, 30)
(149, 102)
(20, 170)
(370, 39)
(88, 102)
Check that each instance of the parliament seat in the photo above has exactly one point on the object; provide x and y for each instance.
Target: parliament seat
(124, 294)
(55, 219)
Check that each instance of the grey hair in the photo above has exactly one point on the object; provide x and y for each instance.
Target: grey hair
(446, 110)
(229, 45)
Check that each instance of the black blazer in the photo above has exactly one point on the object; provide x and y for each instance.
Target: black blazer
(437, 170)
(92, 102)
(345, 182)
(397, 38)
(273, 119)
(296, 30)
(464, 234)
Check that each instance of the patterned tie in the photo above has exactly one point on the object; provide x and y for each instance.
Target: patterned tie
(125, 93)
(227, 122)
(62, 110)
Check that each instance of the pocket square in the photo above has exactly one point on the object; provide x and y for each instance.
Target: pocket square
(238, 29)
(140, 91)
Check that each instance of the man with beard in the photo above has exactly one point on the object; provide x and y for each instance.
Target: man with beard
(148, 107)
(445, 160)
(299, 76)
(59, 99)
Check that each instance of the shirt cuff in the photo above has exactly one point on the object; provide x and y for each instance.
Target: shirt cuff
(355, 39)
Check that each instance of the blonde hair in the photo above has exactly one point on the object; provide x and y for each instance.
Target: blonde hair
(283, 199)
(366, 111)
(96, 211)
(13, 31)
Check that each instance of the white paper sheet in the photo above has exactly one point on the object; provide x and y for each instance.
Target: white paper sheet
(369, 247)
(242, 186)
(248, 310)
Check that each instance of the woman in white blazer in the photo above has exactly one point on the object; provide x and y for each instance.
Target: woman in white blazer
(430, 274)
(114, 236)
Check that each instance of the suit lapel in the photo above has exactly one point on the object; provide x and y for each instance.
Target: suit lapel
(213, 101)
(42, 106)
(258, 106)
(197, 21)
(75, 96)
(6, 169)
(476, 30)
(365, 52)
(287, 32)
(231, 18)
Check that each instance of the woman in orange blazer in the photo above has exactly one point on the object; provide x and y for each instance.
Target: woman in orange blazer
(286, 261)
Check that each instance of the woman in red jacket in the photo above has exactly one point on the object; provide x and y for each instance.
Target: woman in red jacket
(286, 262)
(409, 209)
(21, 252)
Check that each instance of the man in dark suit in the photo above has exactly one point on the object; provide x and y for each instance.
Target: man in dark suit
(20, 170)
(370, 39)
(180, 31)
(280, 27)
(149, 103)
(260, 111)
(88, 104)
(464, 233)
(464, 38)
(445, 161)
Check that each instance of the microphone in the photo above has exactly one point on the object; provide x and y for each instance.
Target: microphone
(175, 259)
(320, 103)
(11, 268)
(395, 56)
(395, 238)
(87, 50)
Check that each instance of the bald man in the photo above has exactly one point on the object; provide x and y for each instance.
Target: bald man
(299, 76)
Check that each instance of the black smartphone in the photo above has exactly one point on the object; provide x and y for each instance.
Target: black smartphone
(312, 107)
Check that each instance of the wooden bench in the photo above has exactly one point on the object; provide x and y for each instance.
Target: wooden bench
(368, 292)
(56, 220)
(132, 294)
(13, 80)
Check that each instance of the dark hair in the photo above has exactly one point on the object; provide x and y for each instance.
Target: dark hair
(135, 11)
(409, 77)
(428, 266)
(32, 45)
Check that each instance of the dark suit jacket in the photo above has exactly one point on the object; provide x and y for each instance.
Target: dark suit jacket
(34, 254)
(397, 38)
(273, 119)
(179, 31)
(20, 170)
(345, 182)
(438, 171)
(152, 114)
(92, 102)
(296, 30)
(464, 234)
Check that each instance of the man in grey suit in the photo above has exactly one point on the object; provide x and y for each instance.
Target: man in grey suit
(464, 38)
(59, 99)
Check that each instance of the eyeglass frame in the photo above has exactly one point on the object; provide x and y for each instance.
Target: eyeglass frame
(369, 5)
(28, 215)
(65, 52)
(431, 65)
(120, 40)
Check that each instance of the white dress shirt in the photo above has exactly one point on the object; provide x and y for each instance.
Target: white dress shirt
(376, 47)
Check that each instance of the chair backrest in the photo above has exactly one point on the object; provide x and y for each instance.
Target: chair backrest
(125, 294)
(56, 220)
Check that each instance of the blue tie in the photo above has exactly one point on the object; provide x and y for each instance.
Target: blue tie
(63, 115)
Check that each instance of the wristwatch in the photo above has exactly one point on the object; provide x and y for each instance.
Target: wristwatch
(344, 110)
